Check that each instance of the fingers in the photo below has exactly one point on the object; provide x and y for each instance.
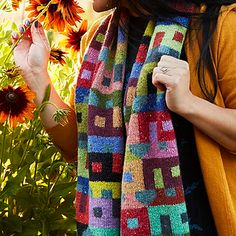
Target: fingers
(14, 37)
(172, 62)
(24, 31)
(169, 72)
(31, 31)
(38, 35)
(163, 81)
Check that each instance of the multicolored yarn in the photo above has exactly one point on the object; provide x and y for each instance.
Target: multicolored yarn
(129, 179)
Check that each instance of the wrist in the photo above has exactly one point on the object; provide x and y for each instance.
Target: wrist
(188, 106)
(38, 83)
(41, 92)
(35, 73)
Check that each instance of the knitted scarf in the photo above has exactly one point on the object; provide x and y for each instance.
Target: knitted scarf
(129, 180)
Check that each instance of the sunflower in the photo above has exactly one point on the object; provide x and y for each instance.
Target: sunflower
(15, 4)
(60, 15)
(16, 104)
(74, 37)
(57, 56)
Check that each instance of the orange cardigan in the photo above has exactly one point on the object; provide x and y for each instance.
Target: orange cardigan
(218, 164)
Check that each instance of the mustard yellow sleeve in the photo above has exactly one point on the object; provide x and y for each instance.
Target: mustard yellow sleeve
(226, 58)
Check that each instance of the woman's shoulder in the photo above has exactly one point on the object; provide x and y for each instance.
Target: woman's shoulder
(227, 15)
(228, 8)
(225, 33)
(224, 45)
(226, 27)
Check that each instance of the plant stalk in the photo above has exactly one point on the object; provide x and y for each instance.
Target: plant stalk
(2, 152)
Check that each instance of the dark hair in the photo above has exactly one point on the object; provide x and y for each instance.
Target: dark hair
(207, 22)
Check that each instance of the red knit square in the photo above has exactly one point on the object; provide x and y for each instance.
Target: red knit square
(117, 162)
(178, 37)
(97, 167)
(142, 226)
(158, 39)
(82, 208)
(141, 56)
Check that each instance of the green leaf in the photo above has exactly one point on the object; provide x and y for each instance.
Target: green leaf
(25, 199)
(61, 190)
(47, 153)
(30, 227)
(12, 224)
(13, 184)
(3, 206)
(14, 26)
(57, 163)
(63, 224)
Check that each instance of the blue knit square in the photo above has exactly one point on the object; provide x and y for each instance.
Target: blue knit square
(170, 192)
(128, 178)
(132, 223)
(106, 193)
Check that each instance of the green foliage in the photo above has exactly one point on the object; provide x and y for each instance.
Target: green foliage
(37, 187)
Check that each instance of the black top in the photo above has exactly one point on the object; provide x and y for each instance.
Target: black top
(199, 213)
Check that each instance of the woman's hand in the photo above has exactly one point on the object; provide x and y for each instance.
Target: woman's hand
(32, 54)
(173, 74)
(217, 122)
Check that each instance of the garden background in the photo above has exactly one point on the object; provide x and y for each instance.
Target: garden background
(37, 187)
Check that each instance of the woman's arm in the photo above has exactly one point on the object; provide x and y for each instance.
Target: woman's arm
(64, 137)
(217, 122)
(32, 55)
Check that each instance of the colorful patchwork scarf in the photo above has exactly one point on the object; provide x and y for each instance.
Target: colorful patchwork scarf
(129, 180)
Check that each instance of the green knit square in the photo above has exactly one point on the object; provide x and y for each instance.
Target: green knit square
(100, 38)
(175, 171)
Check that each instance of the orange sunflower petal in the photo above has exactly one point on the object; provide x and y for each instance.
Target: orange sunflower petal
(3, 117)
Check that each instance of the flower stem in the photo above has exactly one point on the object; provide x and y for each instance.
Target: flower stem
(43, 105)
(44, 230)
(2, 152)
(58, 177)
(27, 145)
(11, 144)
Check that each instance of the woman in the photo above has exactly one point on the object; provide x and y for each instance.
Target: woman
(155, 108)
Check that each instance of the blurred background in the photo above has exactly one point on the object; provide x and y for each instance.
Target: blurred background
(19, 15)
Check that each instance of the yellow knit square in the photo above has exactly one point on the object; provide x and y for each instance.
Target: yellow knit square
(117, 122)
(97, 187)
(135, 170)
(130, 96)
(100, 121)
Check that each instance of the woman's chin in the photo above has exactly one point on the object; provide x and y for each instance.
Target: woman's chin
(100, 5)
(103, 5)
(97, 9)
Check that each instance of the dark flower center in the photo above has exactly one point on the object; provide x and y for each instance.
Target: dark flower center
(54, 7)
(11, 97)
(13, 101)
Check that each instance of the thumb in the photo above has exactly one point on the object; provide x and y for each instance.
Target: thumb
(38, 35)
